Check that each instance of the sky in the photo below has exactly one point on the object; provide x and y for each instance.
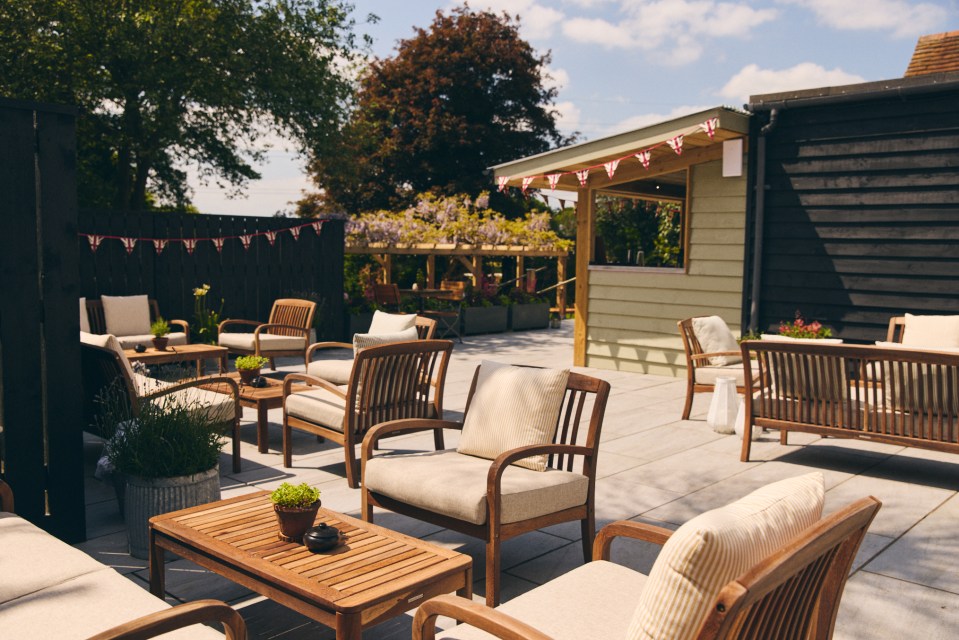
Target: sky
(624, 64)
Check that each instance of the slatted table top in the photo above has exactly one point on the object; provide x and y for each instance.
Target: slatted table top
(372, 564)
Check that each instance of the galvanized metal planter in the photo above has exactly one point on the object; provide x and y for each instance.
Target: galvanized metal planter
(485, 320)
(529, 316)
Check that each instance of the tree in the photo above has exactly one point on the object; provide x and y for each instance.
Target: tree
(456, 99)
(164, 84)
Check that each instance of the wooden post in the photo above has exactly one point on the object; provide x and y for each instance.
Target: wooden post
(385, 261)
(584, 253)
(561, 290)
(477, 270)
(520, 271)
(431, 271)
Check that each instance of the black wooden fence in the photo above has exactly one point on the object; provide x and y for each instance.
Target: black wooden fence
(248, 280)
(40, 406)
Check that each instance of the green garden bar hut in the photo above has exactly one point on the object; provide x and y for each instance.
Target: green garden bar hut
(660, 219)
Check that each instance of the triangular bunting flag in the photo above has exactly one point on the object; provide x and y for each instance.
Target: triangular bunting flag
(611, 167)
(501, 183)
(128, 244)
(643, 157)
(583, 177)
(676, 144)
(296, 232)
(562, 204)
(246, 240)
(271, 236)
(528, 180)
(553, 179)
(159, 245)
(189, 244)
(317, 226)
(710, 127)
(94, 242)
(218, 243)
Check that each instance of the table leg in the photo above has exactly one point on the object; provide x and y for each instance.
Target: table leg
(157, 586)
(467, 590)
(262, 427)
(199, 367)
(348, 626)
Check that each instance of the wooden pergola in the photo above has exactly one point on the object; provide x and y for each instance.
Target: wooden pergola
(469, 255)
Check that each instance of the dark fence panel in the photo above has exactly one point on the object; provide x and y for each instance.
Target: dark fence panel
(247, 280)
(40, 406)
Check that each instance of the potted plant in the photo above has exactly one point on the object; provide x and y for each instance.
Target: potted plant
(295, 507)
(484, 309)
(164, 456)
(800, 329)
(527, 310)
(249, 367)
(160, 329)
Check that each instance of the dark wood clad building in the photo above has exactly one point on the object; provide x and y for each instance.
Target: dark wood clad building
(858, 219)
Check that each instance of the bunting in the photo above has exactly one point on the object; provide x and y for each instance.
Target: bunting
(553, 179)
(710, 127)
(611, 167)
(271, 236)
(295, 232)
(583, 177)
(246, 240)
(189, 244)
(159, 245)
(317, 226)
(94, 242)
(218, 243)
(643, 157)
(502, 181)
(676, 144)
(526, 182)
(128, 244)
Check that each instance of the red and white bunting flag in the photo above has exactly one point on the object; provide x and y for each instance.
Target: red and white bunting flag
(246, 240)
(553, 179)
(296, 232)
(159, 245)
(676, 144)
(583, 177)
(189, 244)
(271, 236)
(611, 167)
(501, 183)
(643, 157)
(710, 127)
(317, 226)
(562, 204)
(528, 180)
(218, 243)
(94, 241)
(128, 244)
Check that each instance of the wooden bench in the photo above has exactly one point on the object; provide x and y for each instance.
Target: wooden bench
(896, 396)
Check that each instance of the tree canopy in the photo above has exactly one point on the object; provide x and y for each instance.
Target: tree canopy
(457, 98)
(165, 84)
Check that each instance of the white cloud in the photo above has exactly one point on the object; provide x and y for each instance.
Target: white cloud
(902, 18)
(752, 80)
(677, 27)
(556, 78)
(570, 117)
(646, 119)
(537, 21)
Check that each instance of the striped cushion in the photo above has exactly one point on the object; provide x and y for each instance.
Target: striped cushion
(126, 315)
(513, 407)
(392, 322)
(364, 340)
(717, 547)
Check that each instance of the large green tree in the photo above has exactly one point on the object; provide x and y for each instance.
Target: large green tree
(166, 84)
(458, 97)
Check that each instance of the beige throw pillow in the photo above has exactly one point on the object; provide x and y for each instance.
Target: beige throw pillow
(931, 331)
(364, 340)
(718, 546)
(513, 407)
(84, 318)
(126, 315)
(714, 336)
(392, 322)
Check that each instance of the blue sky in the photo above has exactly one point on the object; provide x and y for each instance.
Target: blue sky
(623, 64)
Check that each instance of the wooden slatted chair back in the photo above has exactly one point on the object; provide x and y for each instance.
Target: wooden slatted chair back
(897, 329)
(425, 328)
(794, 594)
(98, 321)
(292, 311)
(690, 344)
(386, 294)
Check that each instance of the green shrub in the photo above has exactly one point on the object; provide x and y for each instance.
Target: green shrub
(159, 328)
(251, 362)
(295, 497)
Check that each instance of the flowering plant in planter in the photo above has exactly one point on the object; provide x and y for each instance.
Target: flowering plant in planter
(799, 328)
(205, 321)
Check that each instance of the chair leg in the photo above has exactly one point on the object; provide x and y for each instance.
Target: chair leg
(236, 444)
(588, 528)
(287, 442)
(366, 509)
(352, 466)
(438, 439)
(689, 401)
(272, 364)
(492, 571)
(783, 437)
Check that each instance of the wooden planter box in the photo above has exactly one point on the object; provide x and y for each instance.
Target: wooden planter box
(358, 323)
(529, 316)
(485, 320)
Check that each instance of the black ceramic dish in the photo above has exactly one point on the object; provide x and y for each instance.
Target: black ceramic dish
(321, 537)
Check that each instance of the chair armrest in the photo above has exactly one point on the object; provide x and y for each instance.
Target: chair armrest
(404, 425)
(627, 529)
(316, 346)
(312, 381)
(6, 497)
(183, 615)
(183, 324)
(502, 462)
(196, 382)
(226, 323)
(266, 327)
(478, 615)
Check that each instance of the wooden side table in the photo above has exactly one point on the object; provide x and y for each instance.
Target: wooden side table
(180, 353)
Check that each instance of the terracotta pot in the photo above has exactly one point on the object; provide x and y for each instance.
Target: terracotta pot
(295, 521)
(247, 375)
(160, 343)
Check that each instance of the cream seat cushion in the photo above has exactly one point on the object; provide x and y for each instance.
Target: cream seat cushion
(592, 602)
(931, 331)
(718, 546)
(392, 322)
(318, 406)
(336, 371)
(454, 484)
(109, 341)
(126, 315)
(128, 342)
(268, 342)
(84, 316)
(364, 340)
(714, 336)
(217, 407)
(513, 407)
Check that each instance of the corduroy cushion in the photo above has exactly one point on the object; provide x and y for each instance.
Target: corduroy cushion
(109, 341)
(84, 317)
(931, 331)
(268, 342)
(714, 336)
(333, 371)
(318, 406)
(718, 546)
(392, 322)
(453, 484)
(513, 407)
(126, 315)
(364, 340)
(128, 342)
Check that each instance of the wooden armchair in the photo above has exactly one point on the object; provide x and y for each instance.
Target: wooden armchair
(98, 325)
(387, 295)
(337, 369)
(701, 374)
(791, 594)
(103, 364)
(485, 498)
(287, 333)
(387, 382)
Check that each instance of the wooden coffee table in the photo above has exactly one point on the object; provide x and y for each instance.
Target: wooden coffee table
(260, 398)
(180, 353)
(376, 574)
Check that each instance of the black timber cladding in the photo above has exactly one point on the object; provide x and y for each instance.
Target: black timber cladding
(862, 211)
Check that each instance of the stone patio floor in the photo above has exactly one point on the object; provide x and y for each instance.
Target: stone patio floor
(653, 467)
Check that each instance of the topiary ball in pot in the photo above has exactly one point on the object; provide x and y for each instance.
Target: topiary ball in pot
(295, 508)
